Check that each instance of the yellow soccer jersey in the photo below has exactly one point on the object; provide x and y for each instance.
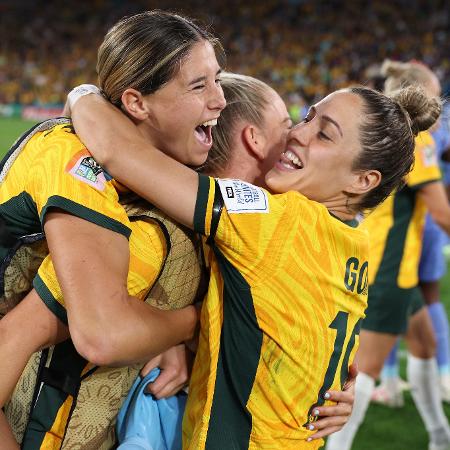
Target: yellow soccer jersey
(287, 293)
(54, 170)
(396, 226)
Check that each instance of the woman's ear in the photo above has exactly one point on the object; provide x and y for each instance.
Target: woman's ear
(364, 181)
(133, 104)
(254, 141)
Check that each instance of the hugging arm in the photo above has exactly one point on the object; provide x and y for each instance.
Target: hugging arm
(138, 165)
(107, 325)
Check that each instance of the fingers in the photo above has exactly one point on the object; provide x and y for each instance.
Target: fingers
(346, 396)
(168, 383)
(341, 409)
(324, 432)
(150, 366)
(327, 425)
(332, 418)
(175, 365)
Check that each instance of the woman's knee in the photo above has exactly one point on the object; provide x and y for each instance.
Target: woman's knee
(420, 336)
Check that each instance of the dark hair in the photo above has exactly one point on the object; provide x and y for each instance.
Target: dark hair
(144, 52)
(387, 136)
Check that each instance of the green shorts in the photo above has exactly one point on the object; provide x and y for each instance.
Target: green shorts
(390, 307)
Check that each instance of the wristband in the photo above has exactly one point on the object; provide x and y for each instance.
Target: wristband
(83, 89)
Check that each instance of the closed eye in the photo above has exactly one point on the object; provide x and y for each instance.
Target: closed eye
(323, 136)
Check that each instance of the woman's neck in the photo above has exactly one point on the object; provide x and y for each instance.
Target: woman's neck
(341, 208)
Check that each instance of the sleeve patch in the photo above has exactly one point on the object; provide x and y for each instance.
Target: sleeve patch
(85, 169)
(240, 197)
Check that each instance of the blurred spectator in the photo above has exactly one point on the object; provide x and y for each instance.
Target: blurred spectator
(306, 48)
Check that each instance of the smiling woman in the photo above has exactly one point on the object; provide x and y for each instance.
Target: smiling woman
(279, 293)
(161, 71)
(179, 102)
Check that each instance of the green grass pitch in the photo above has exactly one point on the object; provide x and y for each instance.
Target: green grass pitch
(10, 130)
(384, 428)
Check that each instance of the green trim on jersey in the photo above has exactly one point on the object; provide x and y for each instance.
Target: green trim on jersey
(47, 297)
(417, 187)
(20, 216)
(403, 209)
(230, 423)
(56, 201)
(353, 223)
(201, 203)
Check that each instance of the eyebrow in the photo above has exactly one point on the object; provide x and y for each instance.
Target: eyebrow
(329, 119)
(203, 78)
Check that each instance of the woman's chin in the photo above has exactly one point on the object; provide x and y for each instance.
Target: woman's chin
(273, 182)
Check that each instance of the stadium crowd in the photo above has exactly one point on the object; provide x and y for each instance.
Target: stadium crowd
(302, 48)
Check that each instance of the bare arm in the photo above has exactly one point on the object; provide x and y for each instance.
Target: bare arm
(107, 325)
(8, 440)
(435, 198)
(29, 327)
(118, 145)
(26, 329)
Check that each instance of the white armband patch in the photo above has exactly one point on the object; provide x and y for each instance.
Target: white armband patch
(83, 89)
(241, 197)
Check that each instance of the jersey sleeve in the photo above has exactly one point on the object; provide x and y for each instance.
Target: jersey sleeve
(48, 289)
(244, 222)
(426, 168)
(65, 176)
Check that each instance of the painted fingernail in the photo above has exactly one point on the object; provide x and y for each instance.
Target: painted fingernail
(309, 439)
(316, 412)
(310, 427)
(327, 395)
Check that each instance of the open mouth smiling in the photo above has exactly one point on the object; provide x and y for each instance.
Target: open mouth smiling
(203, 132)
(289, 160)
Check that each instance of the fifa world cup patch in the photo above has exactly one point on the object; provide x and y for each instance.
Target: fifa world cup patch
(240, 197)
(84, 168)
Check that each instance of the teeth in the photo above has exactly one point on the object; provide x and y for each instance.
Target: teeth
(209, 123)
(293, 158)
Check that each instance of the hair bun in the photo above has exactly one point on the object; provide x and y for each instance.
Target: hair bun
(393, 68)
(423, 110)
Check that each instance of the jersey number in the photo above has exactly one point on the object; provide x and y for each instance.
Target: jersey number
(340, 325)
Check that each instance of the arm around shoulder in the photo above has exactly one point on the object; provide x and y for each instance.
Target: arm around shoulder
(119, 146)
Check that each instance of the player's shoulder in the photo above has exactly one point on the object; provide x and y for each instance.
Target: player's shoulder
(60, 146)
(63, 132)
